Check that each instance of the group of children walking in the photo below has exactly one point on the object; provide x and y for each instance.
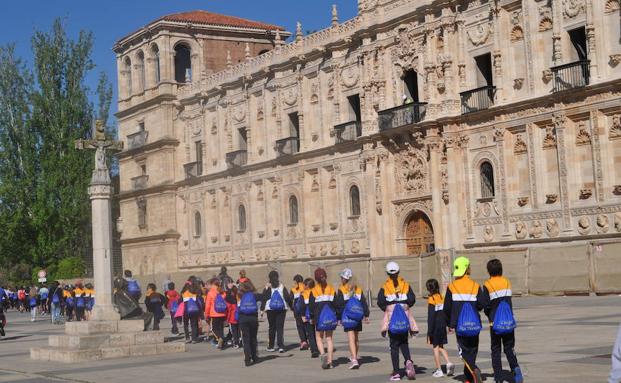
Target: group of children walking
(319, 308)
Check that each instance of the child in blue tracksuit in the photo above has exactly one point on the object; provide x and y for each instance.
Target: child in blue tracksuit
(495, 290)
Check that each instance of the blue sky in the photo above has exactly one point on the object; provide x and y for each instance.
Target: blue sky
(110, 20)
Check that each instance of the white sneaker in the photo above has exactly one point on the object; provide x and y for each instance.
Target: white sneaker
(438, 373)
(450, 369)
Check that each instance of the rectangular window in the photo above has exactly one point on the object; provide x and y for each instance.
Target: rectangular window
(143, 169)
(354, 108)
(199, 157)
(410, 85)
(141, 126)
(243, 139)
(294, 125)
(484, 70)
(578, 40)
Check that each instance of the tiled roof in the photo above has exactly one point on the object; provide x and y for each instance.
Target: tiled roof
(209, 18)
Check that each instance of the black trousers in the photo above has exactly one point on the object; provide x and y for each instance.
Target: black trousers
(506, 341)
(175, 328)
(312, 340)
(235, 333)
(299, 324)
(190, 321)
(276, 321)
(398, 343)
(217, 326)
(79, 313)
(468, 349)
(249, 330)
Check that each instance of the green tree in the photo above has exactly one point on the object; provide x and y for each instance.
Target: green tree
(44, 206)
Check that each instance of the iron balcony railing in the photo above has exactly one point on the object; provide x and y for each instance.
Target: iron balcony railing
(193, 169)
(140, 182)
(348, 131)
(572, 75)
(478, 99)
(287, 146)
(401, 116)
(137, 140)
(237, 158)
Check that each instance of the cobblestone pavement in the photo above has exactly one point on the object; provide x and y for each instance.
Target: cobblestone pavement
(559, 339)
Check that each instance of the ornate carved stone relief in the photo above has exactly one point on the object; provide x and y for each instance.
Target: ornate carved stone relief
(488, 233)
(411, 171)
(350, 76)
(584, 225)
(602, 224)
(536, 230)
(545, 18)
(572, 8)
(521, 231)
(549, 141)
(519, 147)
(618, 222)
(615, 127)
(583, 137)
(612, 6)
(552, 228)
(480, 34)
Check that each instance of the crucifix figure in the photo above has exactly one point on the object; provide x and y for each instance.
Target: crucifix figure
(100, 192)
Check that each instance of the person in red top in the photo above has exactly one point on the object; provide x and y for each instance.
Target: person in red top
(213, 315)
(231, 314)
(174, 299)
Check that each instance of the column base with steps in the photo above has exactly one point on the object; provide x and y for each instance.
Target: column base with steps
(98, 340)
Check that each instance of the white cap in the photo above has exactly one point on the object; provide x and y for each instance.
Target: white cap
(392, 268)
(346, 274)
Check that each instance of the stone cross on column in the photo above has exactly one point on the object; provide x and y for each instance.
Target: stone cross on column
(100, 191)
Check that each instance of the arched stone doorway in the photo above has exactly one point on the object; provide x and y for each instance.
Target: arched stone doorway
(419, 238)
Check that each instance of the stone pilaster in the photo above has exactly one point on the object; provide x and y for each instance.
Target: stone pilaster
(559, 126)
(434, 143)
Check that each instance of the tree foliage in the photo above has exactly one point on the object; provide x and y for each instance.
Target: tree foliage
(44, 206)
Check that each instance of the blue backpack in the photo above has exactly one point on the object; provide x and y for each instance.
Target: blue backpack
(33, 302)
(468, 322)
(248, 304)
(298, 306)
(69, 301)
(91, 304)
(348, 323)
(191, 307)
(79, 302)
(2, 295)
(174, 306)
(399, 321)
(133, 288)
(307, 314)
(55, 299)
(44, 296)
(504, 322)
(219, 305)
(353, 309)
(327, 319)
(276, 302)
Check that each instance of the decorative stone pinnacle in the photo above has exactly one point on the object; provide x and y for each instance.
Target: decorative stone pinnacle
(247, 51)
(298, 32)
(278, 38)
(229, 61)
(335, 16)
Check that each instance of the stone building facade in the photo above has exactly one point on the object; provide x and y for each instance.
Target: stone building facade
(414, 127)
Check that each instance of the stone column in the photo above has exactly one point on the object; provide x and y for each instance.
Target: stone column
(100, 194)
(557, 22)
(434, 142)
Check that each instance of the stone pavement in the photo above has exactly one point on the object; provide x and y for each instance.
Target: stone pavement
(560, 339)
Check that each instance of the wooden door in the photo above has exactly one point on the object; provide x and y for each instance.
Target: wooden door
(419, 235)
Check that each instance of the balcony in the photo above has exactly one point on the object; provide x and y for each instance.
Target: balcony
(287, 146)
(140, 182)
(193, 169)
(478, 99)
(402, 115)
(237, 158)
(347, 132)
(572, 75)
(137, 140)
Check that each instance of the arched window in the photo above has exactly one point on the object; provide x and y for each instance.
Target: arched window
(293, 210)
(141, 71)
(127, 72)
(183, 64)
(155, 53)
(241, 212)
(487, 180)
(198, 224)
(354, 200)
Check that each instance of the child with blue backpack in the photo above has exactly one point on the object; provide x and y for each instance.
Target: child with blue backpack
(464, 299)
(191, 310)
(436, 328)
(298, 301)
(323, 315)
(215, 311)
(352, 310)
(276, 301)
(155, 303)
(133, 287)
(248, 320)
(396, 298)
(499, 311)
(309, 285)
(174, 299)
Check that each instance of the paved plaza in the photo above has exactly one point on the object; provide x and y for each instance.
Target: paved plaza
(560, 339)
